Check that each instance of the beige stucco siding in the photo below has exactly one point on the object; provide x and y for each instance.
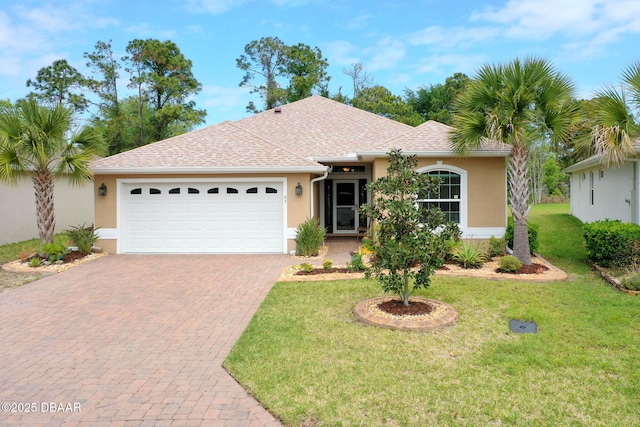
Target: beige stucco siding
(486, 186)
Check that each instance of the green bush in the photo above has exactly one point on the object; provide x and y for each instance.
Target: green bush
(356, 263)
(495, 247)
(611, 242)
(83, 237)
(468, 256)
(533, 235)
(632, 282)
(54, 251)
(309, 238)
(509, 264)
(327, 265)
(306, 267)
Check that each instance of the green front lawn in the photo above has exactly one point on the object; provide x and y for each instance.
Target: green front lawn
(11, 251)
(307, 359)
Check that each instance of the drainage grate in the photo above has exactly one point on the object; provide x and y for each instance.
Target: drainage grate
(521, 327)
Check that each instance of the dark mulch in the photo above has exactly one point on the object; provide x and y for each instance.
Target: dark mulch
(72, 256)
(415, 308)
(527, 269)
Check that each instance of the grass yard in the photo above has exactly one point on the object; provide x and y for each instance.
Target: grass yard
(309, 362)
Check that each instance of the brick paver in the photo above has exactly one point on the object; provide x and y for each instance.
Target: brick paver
(133, 340)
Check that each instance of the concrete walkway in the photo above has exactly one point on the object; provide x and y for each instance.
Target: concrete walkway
(132, 340)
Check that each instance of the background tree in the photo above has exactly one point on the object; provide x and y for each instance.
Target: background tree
(518, 103)
(360, 78)
(411, 240)
(616, 118)
(436, 102)
(59, 83)
(290, 73)
(110, 118)
(33, 141)
(164, 79)
(307, 71)
(379, 100)
(264, 57)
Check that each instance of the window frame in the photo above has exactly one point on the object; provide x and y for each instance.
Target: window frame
(463, 197)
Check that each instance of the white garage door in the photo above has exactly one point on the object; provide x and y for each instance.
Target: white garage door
(203, 217)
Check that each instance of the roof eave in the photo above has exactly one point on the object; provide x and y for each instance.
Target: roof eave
(367, 155)
(209, 171)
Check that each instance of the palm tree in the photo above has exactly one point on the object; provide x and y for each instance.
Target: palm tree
(518, 104)
(616, 125)
(33, 141)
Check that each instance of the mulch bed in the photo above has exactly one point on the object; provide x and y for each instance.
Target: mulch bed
(527, 269)
(416, 308)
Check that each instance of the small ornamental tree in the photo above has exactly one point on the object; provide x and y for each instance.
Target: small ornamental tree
(411, 239)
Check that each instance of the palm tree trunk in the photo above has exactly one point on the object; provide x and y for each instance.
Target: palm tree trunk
(43, 184)
(519, 191)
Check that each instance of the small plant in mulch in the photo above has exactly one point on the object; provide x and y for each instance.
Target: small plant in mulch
(356, 263)
(327, 265)
(468, 256)
(509, 264)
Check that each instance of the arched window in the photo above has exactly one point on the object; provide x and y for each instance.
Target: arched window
(450, 197)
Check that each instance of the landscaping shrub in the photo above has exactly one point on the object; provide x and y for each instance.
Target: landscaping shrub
(306, 267)
(54, 251)
(533, 235)
(611, 242)
(327, 265)
(509, 264)
(309, 238)
(356, 263)
(632, 282)
(495, 247)
(83, 237)
(468, 256)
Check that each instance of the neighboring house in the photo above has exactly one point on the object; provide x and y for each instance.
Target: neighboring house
(245, 186)
(602, 192)
(73, 207)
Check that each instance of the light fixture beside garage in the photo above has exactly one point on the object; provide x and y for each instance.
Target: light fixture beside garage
(298, 190)
(102, 190)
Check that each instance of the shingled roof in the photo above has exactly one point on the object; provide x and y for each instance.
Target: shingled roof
(224, 147)
(294, 137)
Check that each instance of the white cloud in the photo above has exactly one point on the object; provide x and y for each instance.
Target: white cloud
(144, 30)
(340, 53)
(438, 36)
(359, 22)
(385, 55)
(450, 63)
(217, 7)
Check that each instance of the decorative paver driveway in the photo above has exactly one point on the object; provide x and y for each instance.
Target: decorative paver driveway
(132, 340)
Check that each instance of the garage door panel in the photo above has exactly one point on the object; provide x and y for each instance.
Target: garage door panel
(203, 217)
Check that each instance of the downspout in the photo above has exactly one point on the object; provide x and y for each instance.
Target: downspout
(313, 181)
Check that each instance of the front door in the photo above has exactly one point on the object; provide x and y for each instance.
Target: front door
(345, 202)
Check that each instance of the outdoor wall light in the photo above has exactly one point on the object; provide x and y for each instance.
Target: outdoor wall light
(102, 190)
(298, 190)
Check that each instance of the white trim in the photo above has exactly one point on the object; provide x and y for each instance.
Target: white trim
(208, 171)
(483, 232)
(464, 197)
(107, 233)
(121, 182)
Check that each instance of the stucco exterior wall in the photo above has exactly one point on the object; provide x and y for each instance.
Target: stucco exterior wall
(614, 193)
(73, 207)
(486, 191)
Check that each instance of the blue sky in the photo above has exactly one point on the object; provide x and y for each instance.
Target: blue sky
(402, 44)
